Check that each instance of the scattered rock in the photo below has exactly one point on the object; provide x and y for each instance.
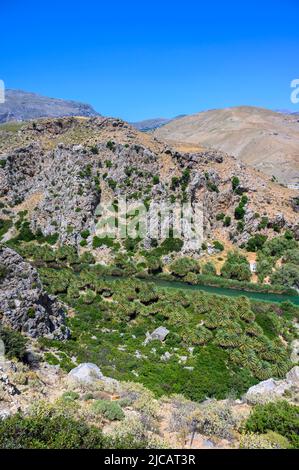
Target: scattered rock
(166, 356)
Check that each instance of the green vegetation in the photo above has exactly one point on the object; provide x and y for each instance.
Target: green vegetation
(229, 345)
(256, 242)
(236, 267)
(220, 216)
(218, 246)
(286, 248)
(208, 269)
(3, 271)
(85, 233)
(227, 221)
(5, 225)
(240, 209)
(108, 409)
(263, 223)
(182, 266)
(235, 183)
(14, 343)
(110, 145)
(49, 429)
(287, 275)
(280, 417)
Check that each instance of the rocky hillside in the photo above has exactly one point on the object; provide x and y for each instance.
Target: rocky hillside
(121, 361)
(23, 106)
(59, 170)
(266, 140)
(150, 124)
(24, 305)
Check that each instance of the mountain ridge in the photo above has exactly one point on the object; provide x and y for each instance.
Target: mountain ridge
(21, 105)
(264, 139)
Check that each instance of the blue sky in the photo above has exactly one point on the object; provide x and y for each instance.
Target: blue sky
(140, 59)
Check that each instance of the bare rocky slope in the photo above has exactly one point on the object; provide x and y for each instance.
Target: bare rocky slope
(266, 140)
(21, 106)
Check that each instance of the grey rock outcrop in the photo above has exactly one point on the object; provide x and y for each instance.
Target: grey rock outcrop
(270, 390)
(24, 305)
(159, 333)
(86, 373)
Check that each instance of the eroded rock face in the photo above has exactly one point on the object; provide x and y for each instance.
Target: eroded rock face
(24, 305)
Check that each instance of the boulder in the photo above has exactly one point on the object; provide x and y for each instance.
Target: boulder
(159, 333)
(293, 376)
(86, 373)
(267, 390)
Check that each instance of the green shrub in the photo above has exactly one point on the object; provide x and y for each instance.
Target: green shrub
(70, 396)
(237, 267)
(263, 223)
(110, 145)
(239, 212)
(235, 182)
(3, 271)
(87, 258)
(98, 242)
(94, 150)
(111, 183)
(5, 225)
(108, 409)
(14, 342)
(240, 226)
(31, 312)
(227, 221)
(85, 234)
(256, 242)
(182, 266)
(48, 429)
(280, 417)
(218, 246)
(208, 269)
(287, 275)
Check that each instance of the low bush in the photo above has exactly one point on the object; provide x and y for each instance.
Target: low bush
(280, 417)
(14, 343)
(182, 266)
(48, 429)
(237, 267)
(108, 409)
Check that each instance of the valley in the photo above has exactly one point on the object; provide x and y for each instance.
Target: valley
(172, 322)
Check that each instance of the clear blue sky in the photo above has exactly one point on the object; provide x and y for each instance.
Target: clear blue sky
(137, 59)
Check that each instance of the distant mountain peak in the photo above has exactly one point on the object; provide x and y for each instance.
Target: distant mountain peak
(22, 106)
